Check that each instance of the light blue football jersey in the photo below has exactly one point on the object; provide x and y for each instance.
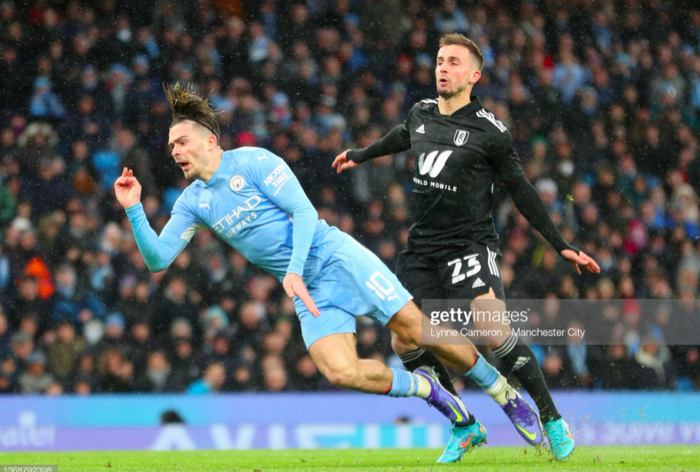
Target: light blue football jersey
(253, 202)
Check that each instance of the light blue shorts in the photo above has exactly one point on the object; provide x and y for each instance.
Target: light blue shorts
(354, 282)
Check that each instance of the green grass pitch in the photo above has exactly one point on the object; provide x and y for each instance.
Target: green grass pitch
(641, 458)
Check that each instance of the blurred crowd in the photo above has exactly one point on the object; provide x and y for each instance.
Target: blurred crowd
(602, 98)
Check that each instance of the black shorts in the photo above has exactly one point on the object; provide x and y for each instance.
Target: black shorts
(464, 274)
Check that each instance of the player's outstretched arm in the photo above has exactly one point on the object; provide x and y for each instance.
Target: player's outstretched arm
(530, 204)
(396, 140)
(158, 252)
(506, 163)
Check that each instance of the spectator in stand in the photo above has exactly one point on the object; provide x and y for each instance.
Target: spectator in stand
(44, 103)
(72, 303)
(64, 350)
(211, 382)
(35, 379)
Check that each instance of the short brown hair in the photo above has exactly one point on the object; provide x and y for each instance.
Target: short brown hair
(461, 40)
(188, 105)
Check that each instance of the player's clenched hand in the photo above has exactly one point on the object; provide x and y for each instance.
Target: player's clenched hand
(127, 189)
(342, 162)
(581, 259)
(294, 285)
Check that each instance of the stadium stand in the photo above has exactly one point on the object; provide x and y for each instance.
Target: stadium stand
(605, 113)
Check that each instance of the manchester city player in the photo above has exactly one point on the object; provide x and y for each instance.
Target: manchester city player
(250, 198)
(453, 246)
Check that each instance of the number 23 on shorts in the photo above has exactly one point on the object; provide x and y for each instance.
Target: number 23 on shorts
(473, 266)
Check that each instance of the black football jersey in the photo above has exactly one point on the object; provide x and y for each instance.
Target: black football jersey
(457, 159)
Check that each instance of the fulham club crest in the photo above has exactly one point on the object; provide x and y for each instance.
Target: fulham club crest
(461, 137)
(236, 183)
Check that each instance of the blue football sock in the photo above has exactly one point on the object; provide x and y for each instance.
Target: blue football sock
(483, 373)
(404, 384)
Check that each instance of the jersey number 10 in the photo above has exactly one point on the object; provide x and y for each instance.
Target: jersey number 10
(381, 286)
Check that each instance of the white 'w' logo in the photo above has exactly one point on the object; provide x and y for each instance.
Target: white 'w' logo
(432, 165)
(490, 116)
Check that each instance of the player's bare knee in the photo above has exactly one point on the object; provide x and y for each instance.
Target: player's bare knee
(484, 306)
(498, 333)
(410, 338)
(400, 346)
(486, 303)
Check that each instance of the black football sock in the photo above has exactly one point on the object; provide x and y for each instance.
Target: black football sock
(518, 358)
(419, 358)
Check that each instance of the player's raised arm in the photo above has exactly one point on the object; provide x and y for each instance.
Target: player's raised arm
(158, 251)
(396, 140)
